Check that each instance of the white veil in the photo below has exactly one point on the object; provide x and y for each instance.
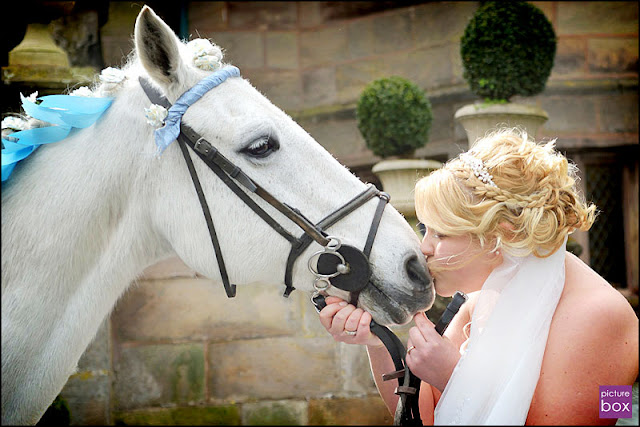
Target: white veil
(494, 380)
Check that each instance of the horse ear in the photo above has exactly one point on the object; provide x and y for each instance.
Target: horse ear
(157, 47)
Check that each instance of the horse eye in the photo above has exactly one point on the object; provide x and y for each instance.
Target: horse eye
(262, 147)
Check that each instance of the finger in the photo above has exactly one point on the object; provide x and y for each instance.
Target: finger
(337, 324)
(364, 331)
(416, 337)
(353, 320)
(365, 321)
(327, 313)
(333, 300)
(425, 326)
(422, 320)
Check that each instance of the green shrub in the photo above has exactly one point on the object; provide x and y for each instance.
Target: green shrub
(507, 49)
(394, 117)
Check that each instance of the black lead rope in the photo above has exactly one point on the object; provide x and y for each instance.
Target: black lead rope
(407, 411)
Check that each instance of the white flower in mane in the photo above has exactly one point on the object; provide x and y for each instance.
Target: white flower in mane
(206, 55)
(112, 75)
(33, 97)
(14, 123)
(155, 115)
(82, 91)
(111, 79)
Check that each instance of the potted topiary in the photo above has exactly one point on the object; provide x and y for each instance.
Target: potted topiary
(507, 49)
(394, 117)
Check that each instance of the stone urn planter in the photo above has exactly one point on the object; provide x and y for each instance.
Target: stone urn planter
(399, 177)
(479, 119)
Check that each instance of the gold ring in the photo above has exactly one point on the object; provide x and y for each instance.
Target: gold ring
(410, 348)
(350, 332)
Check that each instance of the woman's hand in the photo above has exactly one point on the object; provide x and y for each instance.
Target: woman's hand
(430, 357)
(341, 318)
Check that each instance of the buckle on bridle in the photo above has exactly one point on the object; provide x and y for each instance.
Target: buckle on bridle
(203, 146)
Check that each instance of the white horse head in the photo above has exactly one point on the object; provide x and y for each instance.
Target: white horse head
(82, 218)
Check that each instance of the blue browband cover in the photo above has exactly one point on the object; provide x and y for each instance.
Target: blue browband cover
(170, 131)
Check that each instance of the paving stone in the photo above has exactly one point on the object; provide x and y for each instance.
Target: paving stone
(570, 114)
(356, 371)
(273, 368)
(319, 86)
(89, 398)
(432, 65)
(570, 57)
(97, 355)
(361, 38)
(205, 18)
(228, 415)
(310, 14)
(352, 77)
(369, 410)
(244, 49)
(341, 138)
(442, 22)
(278, 413)
(282, 50)
(442, 123)
(392, 31)
(282, 87)
(619, 113)
(598, 17)
(619, 55)
(323, 46)
(157, 375)
(271, 15)
(197, 309)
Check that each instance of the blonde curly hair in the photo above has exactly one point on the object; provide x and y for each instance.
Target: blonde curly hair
(520, 196)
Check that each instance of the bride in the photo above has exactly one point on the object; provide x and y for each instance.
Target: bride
(541, 330)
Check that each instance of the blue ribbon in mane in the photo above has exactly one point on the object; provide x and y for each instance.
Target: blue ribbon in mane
(64, 112)
(171, 129)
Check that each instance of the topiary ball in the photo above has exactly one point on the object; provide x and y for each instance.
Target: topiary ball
(394, 117)
(507, 49)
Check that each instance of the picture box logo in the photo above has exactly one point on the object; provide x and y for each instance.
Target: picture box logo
(615, 401)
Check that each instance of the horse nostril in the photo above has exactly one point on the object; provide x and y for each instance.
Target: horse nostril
(416, 271)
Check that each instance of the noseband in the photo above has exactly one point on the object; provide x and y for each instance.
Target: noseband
(342, 266)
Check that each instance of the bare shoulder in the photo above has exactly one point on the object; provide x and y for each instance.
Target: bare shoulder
(593, 341)
(589, 298)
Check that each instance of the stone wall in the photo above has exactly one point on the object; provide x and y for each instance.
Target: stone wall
(176, 350)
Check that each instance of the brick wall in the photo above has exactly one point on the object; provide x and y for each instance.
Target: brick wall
(176, 350)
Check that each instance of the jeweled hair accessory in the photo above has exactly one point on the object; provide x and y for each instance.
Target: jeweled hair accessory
(478, 168)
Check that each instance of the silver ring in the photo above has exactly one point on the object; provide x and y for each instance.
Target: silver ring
(410, 348)
(351, 333)
(326, 276)
(318, 287)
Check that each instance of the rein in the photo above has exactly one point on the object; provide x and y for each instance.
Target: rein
(408, 410)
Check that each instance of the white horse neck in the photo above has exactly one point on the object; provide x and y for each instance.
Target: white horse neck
(74, 235)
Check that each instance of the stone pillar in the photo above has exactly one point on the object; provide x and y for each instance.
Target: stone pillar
(38, 64)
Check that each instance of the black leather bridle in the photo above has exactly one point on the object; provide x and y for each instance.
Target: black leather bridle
(342, 266)
(346, 266)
